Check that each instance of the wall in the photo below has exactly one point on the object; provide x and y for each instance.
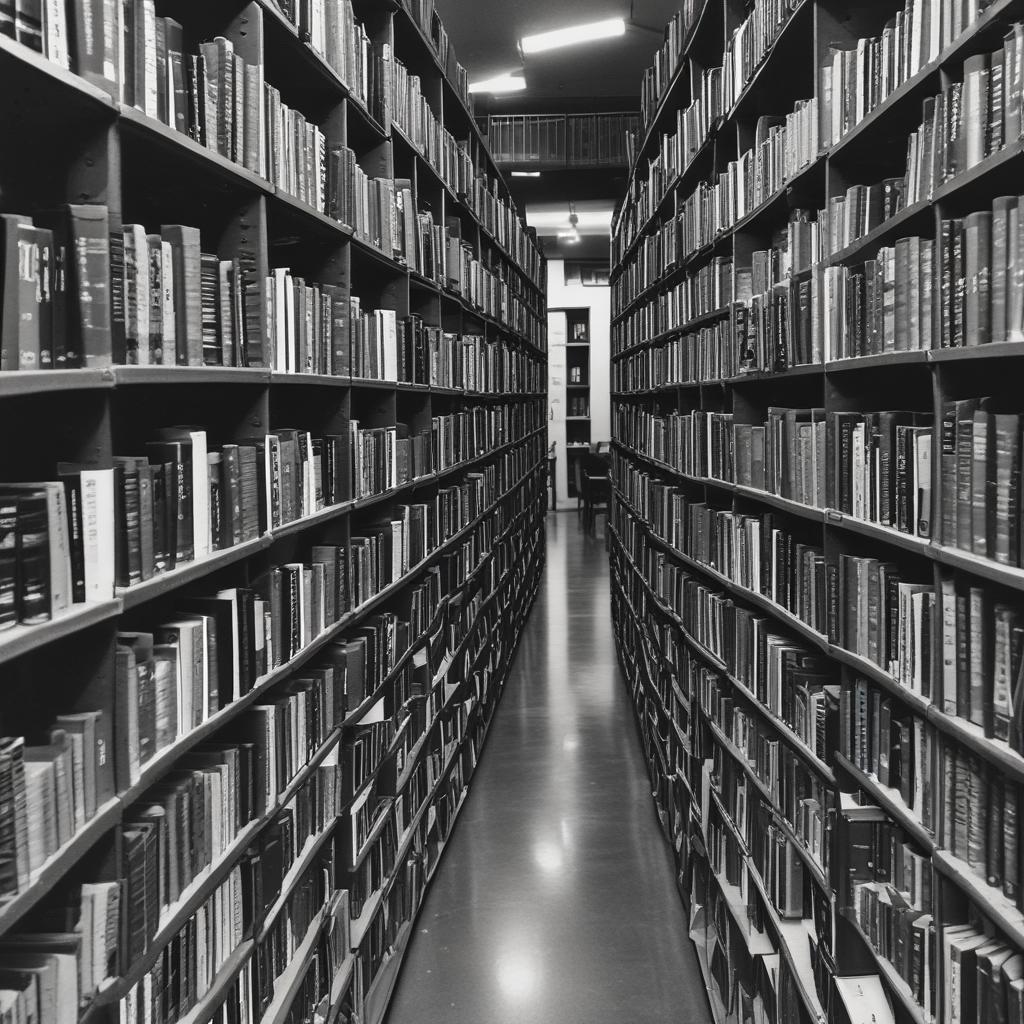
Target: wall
(598, 301)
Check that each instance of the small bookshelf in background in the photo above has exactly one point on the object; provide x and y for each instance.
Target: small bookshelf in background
(577, 389)
(817, 343)
(273, 351)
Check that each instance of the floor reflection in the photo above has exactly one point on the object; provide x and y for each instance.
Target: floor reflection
(555, 900)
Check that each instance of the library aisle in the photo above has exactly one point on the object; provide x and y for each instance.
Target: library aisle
(555, 900)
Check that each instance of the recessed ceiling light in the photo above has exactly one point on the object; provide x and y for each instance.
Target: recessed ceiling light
(571, 36)
(503, 83)
(526, 174)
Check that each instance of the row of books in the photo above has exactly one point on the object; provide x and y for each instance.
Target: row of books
(413, 114)
(871, 466)
(876, 466)
(334, 32)
(795, 249)
(949, 142)
(743, 837)
(870, 607)
(879, 737)
(93, 530)
(425, 14)
(67, 778)
(916, 294)
(782, 147)
(74, 294)
(181, 674)
(972, 808)
(172, 843)
(715, 94)
(318, 991)
(750, 43)
(853, 82)
(857, 79)
(798, 794)
(218, 96)
(315, 328)
(888, 891)
(659, 76)
(832, 596)
(776, 331)
(736, 819)
(182, 975)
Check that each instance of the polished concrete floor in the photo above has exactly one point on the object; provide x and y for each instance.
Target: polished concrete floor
(555, 901)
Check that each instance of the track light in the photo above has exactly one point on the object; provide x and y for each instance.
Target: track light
(572, 36)
(503, 83)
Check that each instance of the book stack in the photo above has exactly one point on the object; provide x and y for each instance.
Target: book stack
(69, 964)
(856, 80)
(861, 209)
(667, 58)
(885, 305)
(893, 903)
(185, 307)
(885, 740)
(53, 791)
(56, 298)
(218, 927)
(750, 41)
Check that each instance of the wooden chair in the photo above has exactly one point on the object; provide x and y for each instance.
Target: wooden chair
(597, 488)
(580, 485)
(552, 479)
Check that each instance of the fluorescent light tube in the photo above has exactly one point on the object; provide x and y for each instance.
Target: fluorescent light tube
(526, 174)
(571, 36)
(503, 83)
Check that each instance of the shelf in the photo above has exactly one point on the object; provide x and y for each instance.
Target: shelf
(188, 572)
(812, 865)
(183, 147)
(53, 871)
(16, 383)
(19, 640)
(793, 933)
(891, 802)
(288, 984)
(991, 901)
(809, 757)
(175, 917)
(133, 376)
(221, 987)
(896, 985)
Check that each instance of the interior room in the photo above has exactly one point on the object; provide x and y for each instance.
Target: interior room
(511, 512)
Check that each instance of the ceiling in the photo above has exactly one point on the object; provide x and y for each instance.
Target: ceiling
(593, 77)
(486, 42)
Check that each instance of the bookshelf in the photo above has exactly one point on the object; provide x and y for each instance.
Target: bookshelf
(815, 532)
(250, 663)
(577, 388)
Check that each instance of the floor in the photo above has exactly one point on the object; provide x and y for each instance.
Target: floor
(555, 899)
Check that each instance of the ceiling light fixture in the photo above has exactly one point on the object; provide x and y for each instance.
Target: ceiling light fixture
(526, 174)
(503, 83)
(572, 36)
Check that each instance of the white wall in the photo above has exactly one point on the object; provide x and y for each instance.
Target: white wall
(599, 301)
